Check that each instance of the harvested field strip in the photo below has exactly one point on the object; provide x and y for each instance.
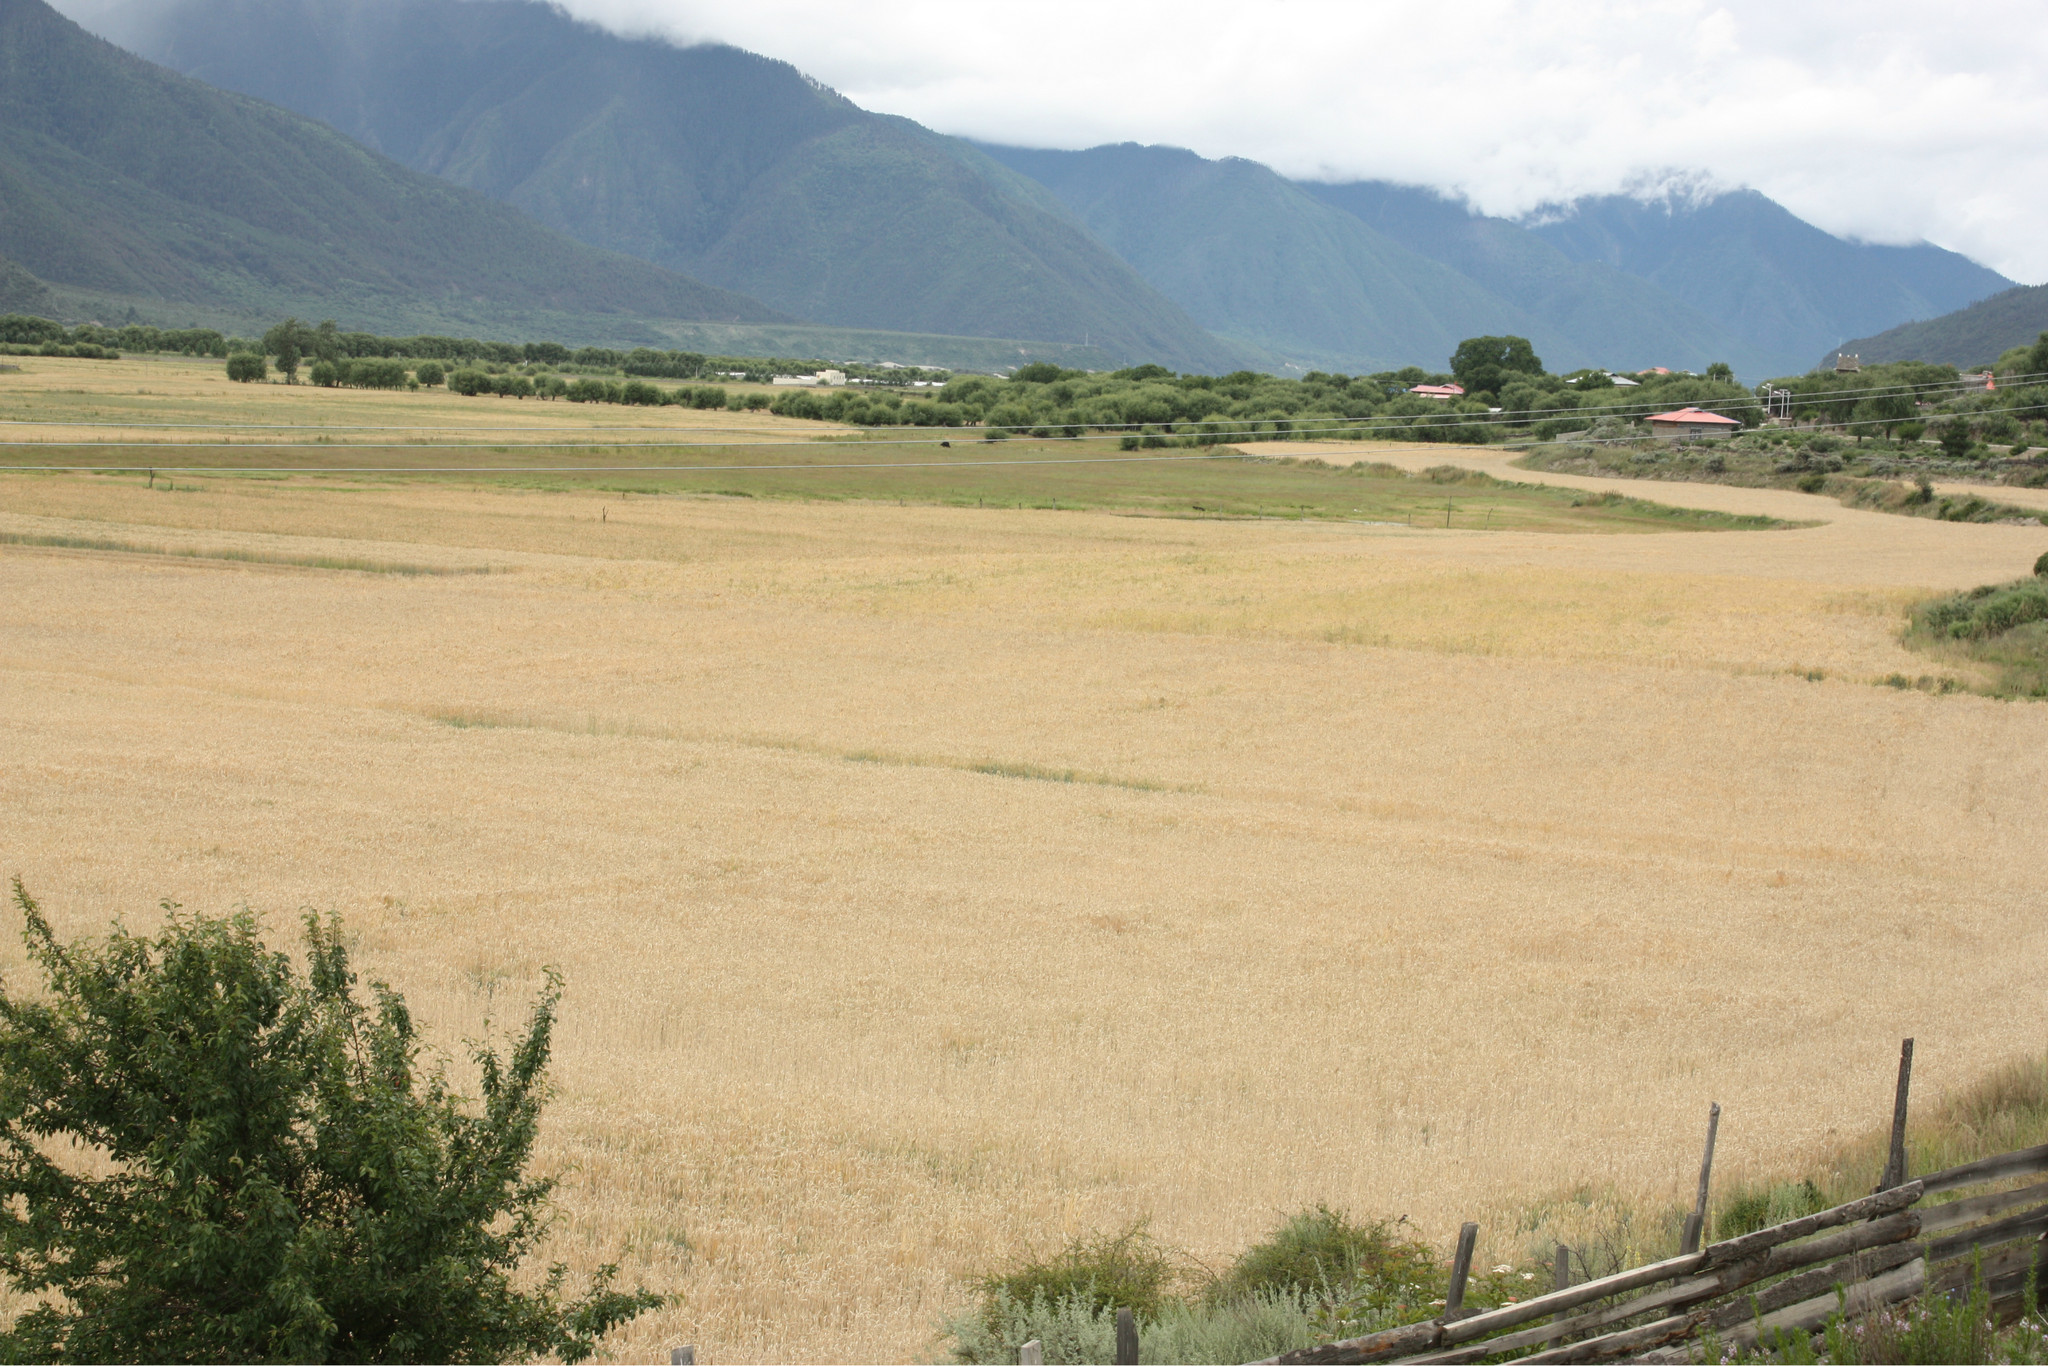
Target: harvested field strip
(468, 719)
(233, 555)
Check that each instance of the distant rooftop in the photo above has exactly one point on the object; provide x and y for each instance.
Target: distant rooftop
(1694, 417)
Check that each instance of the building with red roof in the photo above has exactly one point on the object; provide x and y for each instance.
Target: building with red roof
(1439, 391)
(1692, 422)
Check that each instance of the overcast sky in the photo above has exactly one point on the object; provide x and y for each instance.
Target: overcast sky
(1884, 120)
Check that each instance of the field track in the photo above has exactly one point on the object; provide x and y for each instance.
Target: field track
(932, 882)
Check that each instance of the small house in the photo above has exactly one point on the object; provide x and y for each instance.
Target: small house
(1438, 391)
(1691, 423)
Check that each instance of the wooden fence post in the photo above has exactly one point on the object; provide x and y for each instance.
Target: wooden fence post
(1561, 1278)
(1895, 1163)
(686, 1355)
(1126, 1338)
(1696, 1222)
(1461, 1270)
(1031, 1353)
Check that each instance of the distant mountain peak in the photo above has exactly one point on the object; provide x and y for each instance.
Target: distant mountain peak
(1679, 190)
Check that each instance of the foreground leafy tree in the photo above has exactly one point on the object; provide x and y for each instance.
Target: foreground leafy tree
(206, 1157)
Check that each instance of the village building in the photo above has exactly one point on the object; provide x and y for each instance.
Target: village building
(1692, 422)
(1438, 391)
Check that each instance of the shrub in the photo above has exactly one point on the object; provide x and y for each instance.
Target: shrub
(430, 373)
(588, 391)
(246, 367)
(285, 1182)
(1319, 1250)
(1126, 1270)
(1954, 435)
(1074, 1330)
(374, 374)
(2041, 566)
(796, 403)
(324, 373)
(639, 392)
(1987, 611)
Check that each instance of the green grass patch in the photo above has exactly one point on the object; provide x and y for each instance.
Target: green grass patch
(351, 563)
(2001, 629)
(1024, 473)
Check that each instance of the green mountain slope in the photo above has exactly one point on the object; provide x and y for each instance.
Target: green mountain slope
(21, 291)
(129, 181)
(1768, 277)
(1253, 257)
(734, 168)
(1610, 318)
(1973, 336)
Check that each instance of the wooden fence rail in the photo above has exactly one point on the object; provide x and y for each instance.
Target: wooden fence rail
(1790, 1277)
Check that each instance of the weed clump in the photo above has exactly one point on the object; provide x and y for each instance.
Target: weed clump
(1323, 1252)
(1128, 1270)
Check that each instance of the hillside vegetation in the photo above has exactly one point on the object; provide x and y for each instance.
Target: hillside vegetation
(732, 167)
(125, 181)
(1969, 336)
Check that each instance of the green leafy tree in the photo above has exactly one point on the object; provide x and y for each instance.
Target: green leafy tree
(430, 373)
(289, 341)
(1483, 364)
(326, 342)
(2037, 359)
(246, 367)
(1955, 438)
(277, 1178)
(1884, 411)
(1722, 371)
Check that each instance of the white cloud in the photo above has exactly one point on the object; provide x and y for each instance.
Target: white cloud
(1884, 120)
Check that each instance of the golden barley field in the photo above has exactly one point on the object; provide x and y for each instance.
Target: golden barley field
(932, 883)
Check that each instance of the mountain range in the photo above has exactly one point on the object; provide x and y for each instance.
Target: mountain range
(123, 180)
(777, 199)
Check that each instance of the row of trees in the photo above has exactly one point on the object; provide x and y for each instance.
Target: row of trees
(292, 342)
(91, 339)
(1507, 390)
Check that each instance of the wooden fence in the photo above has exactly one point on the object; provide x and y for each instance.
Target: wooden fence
(1790, 1277)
